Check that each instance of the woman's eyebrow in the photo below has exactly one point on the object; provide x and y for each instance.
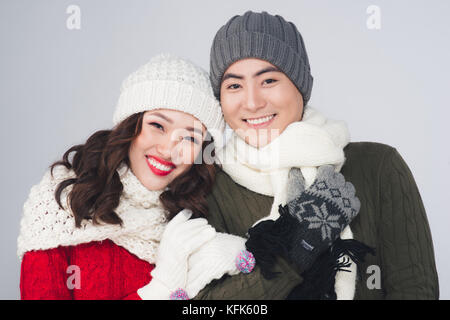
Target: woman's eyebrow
(161, 116)
(194, 130)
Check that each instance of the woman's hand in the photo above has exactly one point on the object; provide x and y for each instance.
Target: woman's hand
(224, 254)
(181, 238)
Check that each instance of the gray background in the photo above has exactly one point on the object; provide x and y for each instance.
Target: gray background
(58, 86)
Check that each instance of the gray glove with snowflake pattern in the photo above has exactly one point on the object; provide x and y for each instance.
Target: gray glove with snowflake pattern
(322, 212)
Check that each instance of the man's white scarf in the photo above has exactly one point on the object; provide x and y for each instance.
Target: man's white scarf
(45, 225)
(307, 144)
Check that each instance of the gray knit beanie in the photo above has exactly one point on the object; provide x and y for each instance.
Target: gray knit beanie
(263, 36)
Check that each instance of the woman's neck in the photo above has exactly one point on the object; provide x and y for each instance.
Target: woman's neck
(134, 191)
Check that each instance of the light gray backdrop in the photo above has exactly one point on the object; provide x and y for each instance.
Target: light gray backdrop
(58, 85)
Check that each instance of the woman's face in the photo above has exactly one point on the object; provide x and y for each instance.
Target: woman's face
(166, 147)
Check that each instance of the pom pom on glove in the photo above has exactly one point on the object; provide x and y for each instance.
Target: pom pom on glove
(191, 254)
(224, 254)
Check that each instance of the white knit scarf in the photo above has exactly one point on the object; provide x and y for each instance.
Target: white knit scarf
(44, 225)
(306, 144)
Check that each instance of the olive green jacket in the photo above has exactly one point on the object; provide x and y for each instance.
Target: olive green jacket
(392, 219)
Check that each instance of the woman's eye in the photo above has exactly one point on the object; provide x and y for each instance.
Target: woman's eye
(191, 139)
(156, 125)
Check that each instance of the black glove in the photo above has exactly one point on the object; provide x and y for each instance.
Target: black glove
(322, 212)
(308, 224)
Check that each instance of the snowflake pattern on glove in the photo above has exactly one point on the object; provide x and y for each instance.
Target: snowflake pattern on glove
(318, 214)
(324, 221)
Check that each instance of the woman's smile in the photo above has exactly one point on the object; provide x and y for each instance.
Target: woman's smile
(159, 166)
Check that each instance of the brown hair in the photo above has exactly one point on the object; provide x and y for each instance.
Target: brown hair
(97, 187)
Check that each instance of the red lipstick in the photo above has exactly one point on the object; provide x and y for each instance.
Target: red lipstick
(159, 166)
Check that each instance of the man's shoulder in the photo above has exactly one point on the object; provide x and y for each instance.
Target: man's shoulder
(226, 189)
(223, 182)
(367, 148)
(367, 152)
(220, 175)
(366, 158)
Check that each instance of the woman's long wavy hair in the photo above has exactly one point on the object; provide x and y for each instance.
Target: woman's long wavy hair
(97, 187)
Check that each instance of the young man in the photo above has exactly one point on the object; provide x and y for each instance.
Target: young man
(261, 74)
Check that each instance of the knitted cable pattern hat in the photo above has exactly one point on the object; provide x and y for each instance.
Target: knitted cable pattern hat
(169, 82)
(263, 36)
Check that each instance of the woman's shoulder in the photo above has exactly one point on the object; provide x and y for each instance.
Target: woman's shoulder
(41, 213)
(43, 194)
(49, 182)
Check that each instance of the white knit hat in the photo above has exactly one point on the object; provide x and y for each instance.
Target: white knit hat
(169, 82)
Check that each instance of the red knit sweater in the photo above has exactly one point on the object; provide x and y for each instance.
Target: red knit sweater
(95, 270)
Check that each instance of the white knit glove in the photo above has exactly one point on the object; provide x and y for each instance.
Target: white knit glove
(180, 238)
(224, 254)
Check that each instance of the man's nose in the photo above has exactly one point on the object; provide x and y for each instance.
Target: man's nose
(254, 99)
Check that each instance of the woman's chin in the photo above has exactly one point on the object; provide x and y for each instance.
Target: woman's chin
(156, 185)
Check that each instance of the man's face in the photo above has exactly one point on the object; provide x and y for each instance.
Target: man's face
(259, 101)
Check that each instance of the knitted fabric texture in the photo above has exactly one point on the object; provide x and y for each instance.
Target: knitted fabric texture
(169, 82)
(214, 259)
(331, 200)
(322, 212)
(107, 271)
(179, 294)
(44, 225)
(307, 144)
(264, 36)
(245, 261)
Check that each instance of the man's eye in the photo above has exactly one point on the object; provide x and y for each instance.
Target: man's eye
(269, 81)
(156, 125)
(233, 86)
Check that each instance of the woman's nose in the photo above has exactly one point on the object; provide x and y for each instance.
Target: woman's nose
(165, 148)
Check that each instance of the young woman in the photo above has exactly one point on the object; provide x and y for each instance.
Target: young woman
(97, 223)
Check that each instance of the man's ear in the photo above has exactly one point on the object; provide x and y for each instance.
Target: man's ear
(303, 106)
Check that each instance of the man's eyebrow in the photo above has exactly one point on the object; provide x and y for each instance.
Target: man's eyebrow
(231, 75)
(268, 69)
(236, 76)
(161, 116)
